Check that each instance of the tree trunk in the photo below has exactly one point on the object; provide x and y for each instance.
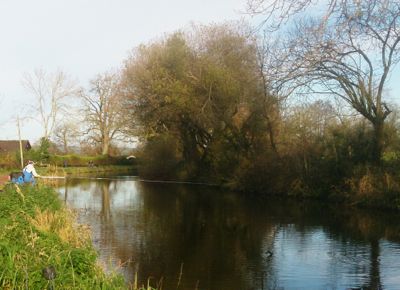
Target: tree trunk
(105, 202)
(378, 144)
(271, 134)
(65, 145)
(105, 146)
(190, 152)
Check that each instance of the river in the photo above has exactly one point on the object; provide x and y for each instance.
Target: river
(199, 237)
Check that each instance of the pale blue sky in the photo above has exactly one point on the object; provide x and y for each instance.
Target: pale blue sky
(83, 38)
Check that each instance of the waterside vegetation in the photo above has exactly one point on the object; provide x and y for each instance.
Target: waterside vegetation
(70, 164)
(210, 108)
(302, 109)
(42, 246)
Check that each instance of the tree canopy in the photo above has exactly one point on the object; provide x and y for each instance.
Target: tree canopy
(347, 51)
(202, 86)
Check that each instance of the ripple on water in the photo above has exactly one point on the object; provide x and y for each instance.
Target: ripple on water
(222, 240)
(314, 260)
(389, 264)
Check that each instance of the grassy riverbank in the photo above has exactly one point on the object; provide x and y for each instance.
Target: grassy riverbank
(78, 170)
(74, 171)
(95, 170)
(38, 232)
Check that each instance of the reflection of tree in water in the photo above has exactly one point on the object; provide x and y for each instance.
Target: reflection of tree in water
(209, 232)
(105, 212)
(214, 234)
(112, 242)
(355, 233)
(66, 191)
(374, 274)
(220, 239)
(107, 227)
(371, 230)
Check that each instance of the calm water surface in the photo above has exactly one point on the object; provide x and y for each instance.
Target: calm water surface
(197, 237)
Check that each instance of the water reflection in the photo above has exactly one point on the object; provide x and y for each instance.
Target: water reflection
(193, 237)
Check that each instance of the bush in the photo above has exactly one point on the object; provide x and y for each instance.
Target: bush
(9, 160)
(373, 186)
(160, 159)
(265, 173)
(79, 161)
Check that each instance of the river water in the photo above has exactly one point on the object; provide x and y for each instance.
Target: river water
(199, 237)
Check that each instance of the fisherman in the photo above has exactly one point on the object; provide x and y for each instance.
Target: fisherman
(30, 172)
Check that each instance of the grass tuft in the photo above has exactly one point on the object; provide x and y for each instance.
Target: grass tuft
(38, 233)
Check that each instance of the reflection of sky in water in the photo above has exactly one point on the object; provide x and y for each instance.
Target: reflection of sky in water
(390, 260)
(222, 240)
(124, 194)
(315, 258)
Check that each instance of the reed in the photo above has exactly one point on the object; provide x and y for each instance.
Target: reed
(63, 224)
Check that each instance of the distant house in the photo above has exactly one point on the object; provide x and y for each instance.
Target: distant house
(10, 146)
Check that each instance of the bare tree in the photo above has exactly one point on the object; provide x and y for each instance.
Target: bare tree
(270, 60)
(103, 110)
(50, 91)
(278, 12)
(65, 134)
(348, 52)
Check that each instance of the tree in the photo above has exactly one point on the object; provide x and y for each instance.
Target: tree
(268, 105)
(50, 91)
(279, 12)
(103, 110)
(200, 87)
(349, 52)
(307, 131)
(65, 134)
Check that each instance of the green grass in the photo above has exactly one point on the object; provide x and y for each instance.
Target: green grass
(59, 170)
(37, 232)
(107, 169)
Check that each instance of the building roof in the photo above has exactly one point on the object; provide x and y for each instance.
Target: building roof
(13, 145)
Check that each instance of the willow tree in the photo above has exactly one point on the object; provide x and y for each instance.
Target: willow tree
(347, 51)
(200, 86)
(158, 93)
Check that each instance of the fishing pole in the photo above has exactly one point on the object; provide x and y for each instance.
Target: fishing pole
(133, 178)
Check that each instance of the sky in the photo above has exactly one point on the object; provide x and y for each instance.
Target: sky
(84, 38)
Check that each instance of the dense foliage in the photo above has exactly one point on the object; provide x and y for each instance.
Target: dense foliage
(202, 98)
(203, 105)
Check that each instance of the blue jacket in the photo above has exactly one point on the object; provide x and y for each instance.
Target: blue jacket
(28, 177)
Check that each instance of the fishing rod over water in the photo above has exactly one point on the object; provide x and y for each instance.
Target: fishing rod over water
(133, 178)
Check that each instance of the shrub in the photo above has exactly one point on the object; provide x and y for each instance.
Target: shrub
(372, 186)
(160, 158)
(78, 161)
